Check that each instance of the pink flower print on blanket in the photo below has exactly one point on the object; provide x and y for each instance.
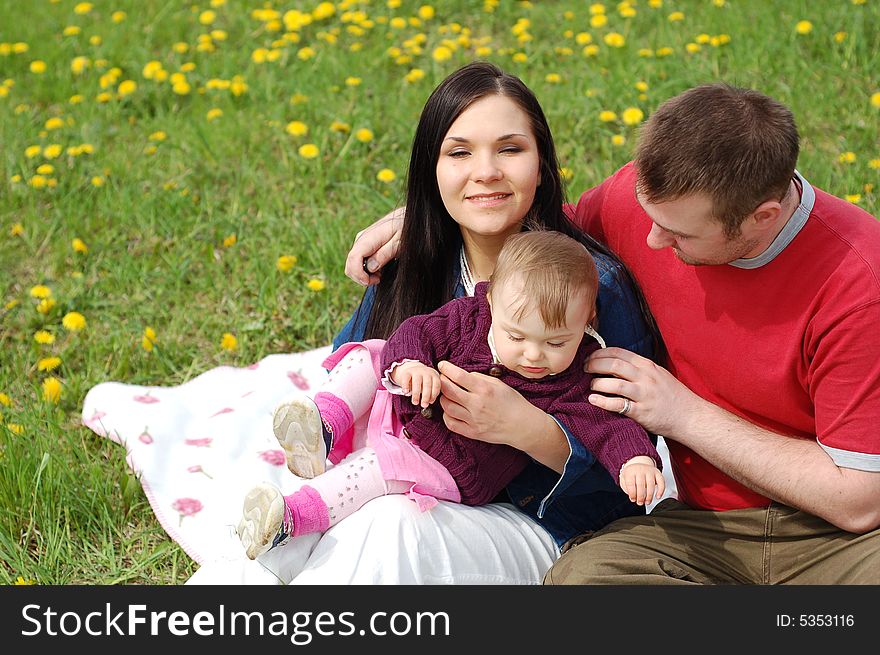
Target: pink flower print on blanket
(199, 443)
(274, 457)
(146, 399)
(145, 437)
(225, 410)
(186, 507)
(197, 468)
(298, 380)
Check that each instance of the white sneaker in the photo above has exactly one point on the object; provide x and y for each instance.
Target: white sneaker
(265, 520)
(297, 426)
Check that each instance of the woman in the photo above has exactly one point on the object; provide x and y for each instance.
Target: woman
(483, 167)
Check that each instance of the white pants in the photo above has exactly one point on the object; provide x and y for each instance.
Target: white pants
(389, 541)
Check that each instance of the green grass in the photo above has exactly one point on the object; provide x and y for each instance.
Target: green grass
(70, 512)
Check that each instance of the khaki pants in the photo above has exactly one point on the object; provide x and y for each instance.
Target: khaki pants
(675, 544)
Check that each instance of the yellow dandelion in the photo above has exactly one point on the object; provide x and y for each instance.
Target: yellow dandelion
(353, 81)
(207, 17)
(315, 284)
(71, 30)
(615, 40)
(442, 53)
(692, 48)
(82, 8)
(41, 291)
(214, 113)
(520, 58)
(159, 135)
(285, 263)
(665, 51)
(73, 321)
(229, 342)
(230, 241)
(607, 116)
(309, 151)
(4, 400)
(38, 181)
(676, 16)
(414, 75)
(618, 140)
(583, 38)
(18, 429)
(118, 16)
(48, 364)
(78, 65)
(339, 126)
(803, 27)
(297, 128)
(52, 151)
(38, 66)
(598, 20)
(148, 339)
(364, 135)
(45, 169)
(32, 151)
(54, 123)
(126, 88)
(305, 53)
(44, 337)
(79, 246)
(386, 175)
(45, 305)
(553, 78)
(51, 389)
(95, 39)
(566, 173)
(875, 99)
(874, 163)
(426, 12)
(181, 88)
(97, 181)
(104, 97)
(632, 116)
(853, 197)
(847, 157)
(840, 37)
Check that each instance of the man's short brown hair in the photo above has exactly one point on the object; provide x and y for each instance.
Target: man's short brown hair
(735, 145)
(553, 268)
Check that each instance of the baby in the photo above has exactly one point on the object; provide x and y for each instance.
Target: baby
(526, 327)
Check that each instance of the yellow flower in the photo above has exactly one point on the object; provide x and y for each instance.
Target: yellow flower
(4, 400)
(214, 113)
(207, 17)
(607, 116)
(692, 48)
(426, 12)
(181, 88)
(45, 305)
(230, 241)
(676, 16)
(118, 16)
(229, 342)
(583, 38)
(315, 284)
(73, 321)
(520, 57)
(82, 8)
(44, 337)
(386, 175)
(553, 78)
(41, 291)
(339, 126)
(847, 157)
(352, 81)
(875, 99)
(414, 75)
(126, 88)
(364, 135)
(840, 37)
(632, 116)
(32, 151)
(78, 65)
(874, 163)
(48, 364)
(149, 339)
(803, 27)
(598, 20)
(285, 263)
(79, 246)
(566, 173)
(38, 181)
(180, 47)
(618, 139)
(38, 66)
(305, 53)
(297, 128)
(18, 429)
(441, 53)
(95, 39)
(72, 30)
(615, 40)
(51, 389)
(664, 51)
(309, 151)
(853, 197)
(45, 169)
(52, 151)
(104, 97)
(158, 136)
(597, 8)
(97, 181)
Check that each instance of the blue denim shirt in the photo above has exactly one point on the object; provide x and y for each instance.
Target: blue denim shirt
(585, 497)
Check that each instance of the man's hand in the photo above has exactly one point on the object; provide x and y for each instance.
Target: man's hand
(641, 480)
(421, 382)
(374, 247)
(658, 401)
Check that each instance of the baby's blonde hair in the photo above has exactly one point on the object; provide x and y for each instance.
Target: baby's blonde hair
(552, 266)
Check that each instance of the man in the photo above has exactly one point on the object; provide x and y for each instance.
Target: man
(767, 294)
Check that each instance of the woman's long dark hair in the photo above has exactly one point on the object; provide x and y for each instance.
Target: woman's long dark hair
(424, 275)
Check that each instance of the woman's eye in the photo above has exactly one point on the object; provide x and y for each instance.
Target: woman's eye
(458, 154)
(511, 150)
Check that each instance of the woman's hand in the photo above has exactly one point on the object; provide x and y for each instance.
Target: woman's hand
(374, 247)
(481, 407)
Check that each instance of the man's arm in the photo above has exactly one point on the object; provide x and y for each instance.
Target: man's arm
(374, 247)
(796, 472)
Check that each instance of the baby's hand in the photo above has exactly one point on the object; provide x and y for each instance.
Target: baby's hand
(421, 382)
(642, 480)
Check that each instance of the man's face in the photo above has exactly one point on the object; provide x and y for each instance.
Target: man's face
(687, 226)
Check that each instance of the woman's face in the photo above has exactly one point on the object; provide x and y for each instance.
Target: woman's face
(489, 168)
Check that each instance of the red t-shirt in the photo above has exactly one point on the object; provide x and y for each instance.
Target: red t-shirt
(792, 346)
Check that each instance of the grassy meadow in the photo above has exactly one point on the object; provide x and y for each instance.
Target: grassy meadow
(180, 183)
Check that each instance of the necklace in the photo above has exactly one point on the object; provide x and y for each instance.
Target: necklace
(467, 278)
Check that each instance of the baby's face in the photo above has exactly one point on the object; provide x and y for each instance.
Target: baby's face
(526, 345)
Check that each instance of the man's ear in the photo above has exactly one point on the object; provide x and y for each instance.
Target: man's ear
(766, 215)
